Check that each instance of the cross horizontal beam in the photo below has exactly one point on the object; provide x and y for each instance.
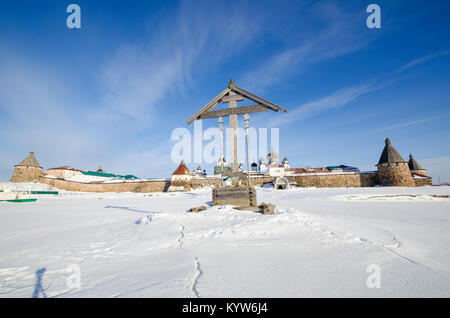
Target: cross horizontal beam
(234, 111)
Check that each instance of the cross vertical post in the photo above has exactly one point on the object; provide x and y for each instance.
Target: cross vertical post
(221, 149)
(234, 142)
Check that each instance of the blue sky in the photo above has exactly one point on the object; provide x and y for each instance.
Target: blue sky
(112, 92)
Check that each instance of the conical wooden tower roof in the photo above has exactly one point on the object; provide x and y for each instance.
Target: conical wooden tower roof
(30, 161)
(390, 154)
(413, 164)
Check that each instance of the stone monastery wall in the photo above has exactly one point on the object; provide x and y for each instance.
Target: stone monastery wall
(420, 182)
(331, 180)
(305, 180)
(142, 186)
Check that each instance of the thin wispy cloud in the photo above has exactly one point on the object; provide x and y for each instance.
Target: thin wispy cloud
(338, 36)
(43, 114)
(347, 95)
(423, 59)
(334, 100)
(196, 37)
(405, 124)
(39, 112)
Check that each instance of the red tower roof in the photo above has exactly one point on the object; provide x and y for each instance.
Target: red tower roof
(182, 169)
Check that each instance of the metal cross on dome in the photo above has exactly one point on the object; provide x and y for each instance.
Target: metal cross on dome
(231, 95)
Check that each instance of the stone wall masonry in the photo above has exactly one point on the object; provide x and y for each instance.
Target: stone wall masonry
(142, 186)
(319, 180)
(331, 180)
(395, 174)
(202, 182)
(26, 174)
(258, 180)
(420, 182)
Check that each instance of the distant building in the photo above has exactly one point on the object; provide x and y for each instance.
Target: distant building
(342, 168)
(415, 167)
(272, 168)
(272, 158)
(285, 163)
(262, 165)
(316, 170)
(200, 172)
(222, 163)
(28, 170)
(101, 176)
(63, 172)
(294, 171)
(276, 170)
(270, 165)
(182, 173)
(72, 174)
(393, 170)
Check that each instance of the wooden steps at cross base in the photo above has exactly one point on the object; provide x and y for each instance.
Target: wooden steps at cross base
(236, 196)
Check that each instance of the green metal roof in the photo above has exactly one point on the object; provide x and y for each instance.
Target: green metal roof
(339, 167)
(108, 175)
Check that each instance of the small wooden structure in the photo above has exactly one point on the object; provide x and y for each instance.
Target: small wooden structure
(236, 195)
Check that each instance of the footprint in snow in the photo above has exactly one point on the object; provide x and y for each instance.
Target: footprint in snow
(144, 220)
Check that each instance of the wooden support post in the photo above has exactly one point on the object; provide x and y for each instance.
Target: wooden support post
(246, 120)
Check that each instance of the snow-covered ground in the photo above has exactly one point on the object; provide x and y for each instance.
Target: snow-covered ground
(319, 243)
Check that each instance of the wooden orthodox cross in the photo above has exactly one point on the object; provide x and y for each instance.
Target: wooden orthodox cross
(231, 95)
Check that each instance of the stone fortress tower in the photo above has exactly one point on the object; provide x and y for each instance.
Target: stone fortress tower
(393, 170)
(28, 170)
(415, 167)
